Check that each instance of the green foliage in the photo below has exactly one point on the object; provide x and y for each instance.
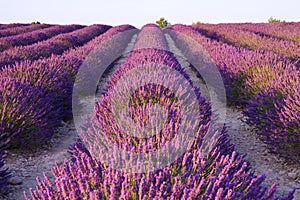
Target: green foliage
(197, 22)
(272, 20)
(37, 22)
(162, 23)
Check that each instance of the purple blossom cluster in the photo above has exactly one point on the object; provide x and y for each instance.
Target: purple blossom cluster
(267, 84)
(221, 174)
(55, 45)
(26, 111)
(247, 39)
(35, 36)
(21, 29)
(275, 112)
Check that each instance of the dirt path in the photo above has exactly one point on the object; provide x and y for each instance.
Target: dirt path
(262, 162)
(26, 165)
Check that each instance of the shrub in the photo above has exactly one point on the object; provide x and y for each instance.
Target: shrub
(273, 20)
(162, 23)
(27, 113)
(37, 22)
(197, 22)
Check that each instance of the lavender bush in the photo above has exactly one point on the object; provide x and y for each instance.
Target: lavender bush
(27, 113)
(45, 75)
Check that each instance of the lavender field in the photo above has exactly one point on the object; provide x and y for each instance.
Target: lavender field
(127, 113)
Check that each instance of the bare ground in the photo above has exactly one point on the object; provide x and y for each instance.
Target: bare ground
(26, 165)
(261, 161)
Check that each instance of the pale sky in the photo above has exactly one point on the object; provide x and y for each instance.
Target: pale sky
(140, 12)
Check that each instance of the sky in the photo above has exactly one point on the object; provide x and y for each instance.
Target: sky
(140, 12)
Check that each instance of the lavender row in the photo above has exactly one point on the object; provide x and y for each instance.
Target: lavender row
(13, 25)
(35, 36)
(267, 84)
(232, 35)
(151, 38)
(36, 95)
(221, 174)
(56, 45)
(282, 30)
(22, 29)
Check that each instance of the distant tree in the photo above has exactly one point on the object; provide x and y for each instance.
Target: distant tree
(162, 23)
(197, 22)
(272, 20)
(37, 22)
